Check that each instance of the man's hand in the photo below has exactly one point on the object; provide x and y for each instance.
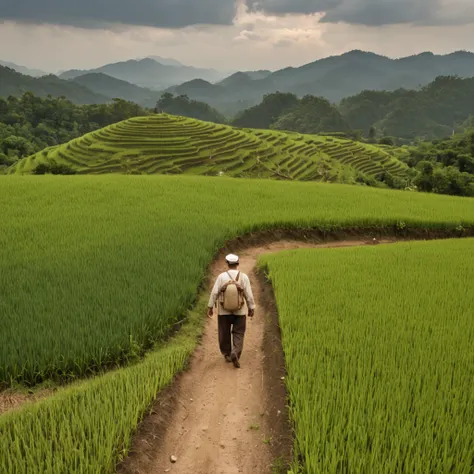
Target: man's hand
(210, 313)
(251, 313)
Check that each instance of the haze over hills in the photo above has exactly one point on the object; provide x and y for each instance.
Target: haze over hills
(23, 69)
(336, 77)
(165, 61)
(333, 78)
(149, 73)
(111, 87)
(16, 84)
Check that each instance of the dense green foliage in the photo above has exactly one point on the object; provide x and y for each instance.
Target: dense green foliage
(312, 115)
(182, 105)
(29, 124)
(434, 111)
(378, 350)
(265, 114)
(284, 111)
(113, 280)
(444, 166)
(171, 144)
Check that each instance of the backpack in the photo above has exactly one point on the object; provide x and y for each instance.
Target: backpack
(231, 295)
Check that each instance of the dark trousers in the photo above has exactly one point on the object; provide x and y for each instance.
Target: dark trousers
(231, 324)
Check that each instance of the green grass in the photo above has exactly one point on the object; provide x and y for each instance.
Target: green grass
(378, 346)
(170, 144)
(92, 268)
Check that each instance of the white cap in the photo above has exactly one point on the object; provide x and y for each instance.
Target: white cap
(231, 258)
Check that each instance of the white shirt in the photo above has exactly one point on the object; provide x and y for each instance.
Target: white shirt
(244, 282)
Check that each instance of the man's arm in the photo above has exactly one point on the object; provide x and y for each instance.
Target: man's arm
(249, 296)
(213, 297)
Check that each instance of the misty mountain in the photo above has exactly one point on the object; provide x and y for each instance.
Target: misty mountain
(166, 61)
(149, 73)
(115, 88)
(23, 69)
(16, 84)
(337, 77)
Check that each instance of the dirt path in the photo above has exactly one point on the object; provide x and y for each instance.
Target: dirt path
(223, 420)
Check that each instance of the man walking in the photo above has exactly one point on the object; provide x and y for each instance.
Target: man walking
(232, 322)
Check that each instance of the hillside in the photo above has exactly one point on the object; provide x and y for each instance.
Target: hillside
(149, 73)
(16, 84)
(109, 86)
(434, 111)
(23, 69)
(341, 76)
(172, 145)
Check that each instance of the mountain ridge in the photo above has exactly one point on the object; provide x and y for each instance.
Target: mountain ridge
(339, 76)
(148, 72)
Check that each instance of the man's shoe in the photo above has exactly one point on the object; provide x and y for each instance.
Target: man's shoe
(227, 358)
(235, 360)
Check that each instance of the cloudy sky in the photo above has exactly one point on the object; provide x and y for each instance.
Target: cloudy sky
(226, 34)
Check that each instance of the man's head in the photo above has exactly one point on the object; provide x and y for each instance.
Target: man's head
(232, 260)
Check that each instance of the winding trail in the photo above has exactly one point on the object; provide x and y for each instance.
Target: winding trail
(223, 418)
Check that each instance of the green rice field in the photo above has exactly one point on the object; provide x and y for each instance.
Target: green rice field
(111, 263)
(379, 350)
(96, 270)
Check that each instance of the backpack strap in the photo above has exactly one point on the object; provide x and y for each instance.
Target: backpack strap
(236, 278)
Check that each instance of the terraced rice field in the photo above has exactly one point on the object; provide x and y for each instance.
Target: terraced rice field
(378, 346)
(168, 144)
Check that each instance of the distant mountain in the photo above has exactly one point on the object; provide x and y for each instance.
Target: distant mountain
(261, 74)
(115, 88)
(219, 96)
(23, 69)
(149, 73)
(166, 61)
(16, 84)
(336, 77)
(238, 79)
(199, 88)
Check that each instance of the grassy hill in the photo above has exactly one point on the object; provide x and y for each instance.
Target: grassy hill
(168, 144)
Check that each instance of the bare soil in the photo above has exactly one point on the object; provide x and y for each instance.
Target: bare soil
(216, 419)
(11, 399)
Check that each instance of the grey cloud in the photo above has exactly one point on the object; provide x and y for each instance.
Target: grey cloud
(97, 13)
(282, 7)
(383, 12)
(375, 12)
